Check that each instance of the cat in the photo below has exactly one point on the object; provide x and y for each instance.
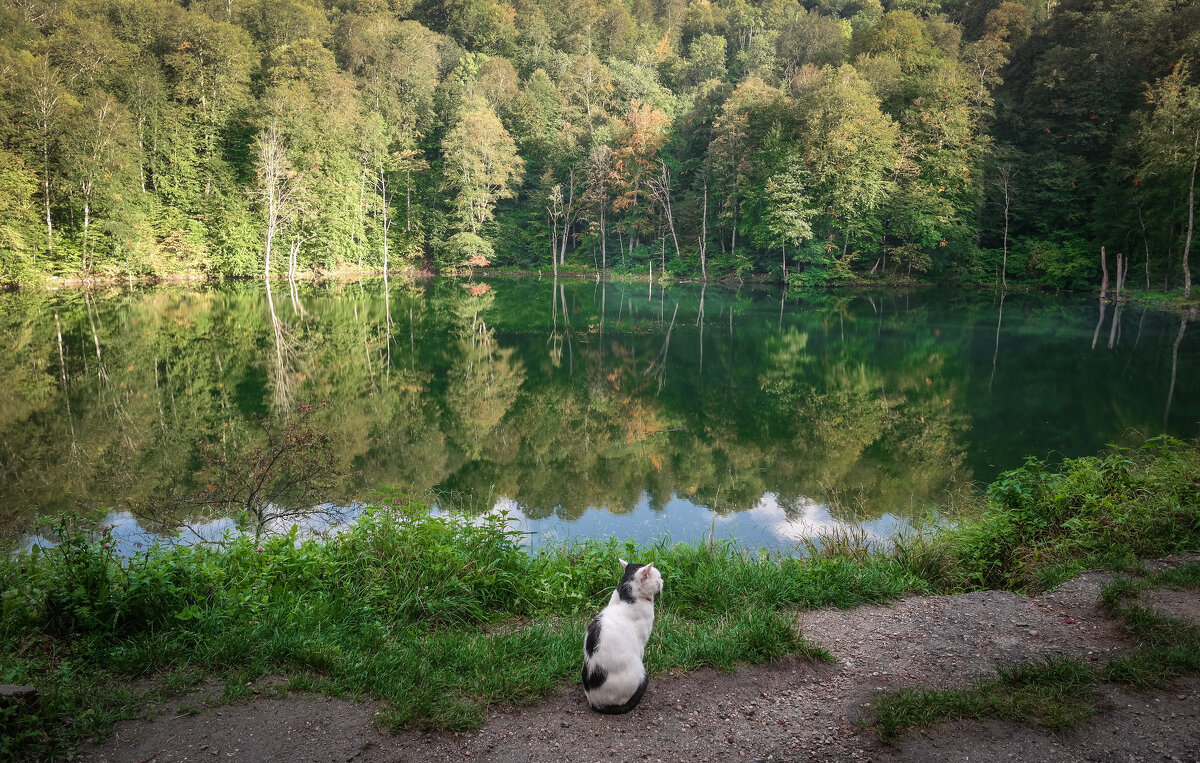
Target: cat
(614, 678)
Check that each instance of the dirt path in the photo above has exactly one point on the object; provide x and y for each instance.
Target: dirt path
(789, 710)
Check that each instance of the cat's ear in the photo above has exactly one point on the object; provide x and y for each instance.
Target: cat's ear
(623, 562)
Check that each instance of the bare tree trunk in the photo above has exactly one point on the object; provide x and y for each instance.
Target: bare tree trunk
(1004, 265)
(1120, 278)
(1146, 242)
(1104, 268)
(603, 244)
(662, 189)
(87, 219)
(383, 203)
(1187, 245)
(46, 97)
(568, 217)
(704, 235)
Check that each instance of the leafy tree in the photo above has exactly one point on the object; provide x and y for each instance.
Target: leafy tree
(482, 165)
(849, 150)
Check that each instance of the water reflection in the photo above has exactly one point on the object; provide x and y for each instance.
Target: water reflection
(597, 408)
(770, 524)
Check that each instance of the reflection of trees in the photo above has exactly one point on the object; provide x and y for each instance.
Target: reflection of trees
(483, 380)
(867, 400)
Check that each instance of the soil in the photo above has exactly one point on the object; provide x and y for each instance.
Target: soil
(789, 710)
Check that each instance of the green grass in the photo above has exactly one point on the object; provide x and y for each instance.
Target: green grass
(1059, 692)
(442, 617)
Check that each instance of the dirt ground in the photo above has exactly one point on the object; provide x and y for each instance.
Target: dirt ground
(790, 710)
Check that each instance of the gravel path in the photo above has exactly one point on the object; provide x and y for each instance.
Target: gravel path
(788, 710)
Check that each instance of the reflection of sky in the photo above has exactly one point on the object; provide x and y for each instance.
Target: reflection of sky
(131, 538)
(769, 524)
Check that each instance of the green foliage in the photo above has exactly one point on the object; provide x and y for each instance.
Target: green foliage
(1101, 511)
(127, 139)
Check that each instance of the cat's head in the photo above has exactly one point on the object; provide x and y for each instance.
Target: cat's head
(641, 581)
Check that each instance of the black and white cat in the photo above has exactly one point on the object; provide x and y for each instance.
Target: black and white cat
(614, 678)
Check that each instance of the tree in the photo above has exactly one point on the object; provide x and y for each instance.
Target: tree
(276, 187)
(732, 149)
(98, 155)
(49, 107)
(599, 176)
(635, 165)
(849, 152)
(1170, 142)
(481, 163)
(789, 206)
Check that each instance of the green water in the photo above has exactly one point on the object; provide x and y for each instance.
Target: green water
(584, 408)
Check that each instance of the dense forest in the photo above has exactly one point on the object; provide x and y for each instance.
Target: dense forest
(958, 141)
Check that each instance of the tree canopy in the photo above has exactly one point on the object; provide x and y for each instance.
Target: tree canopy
(968, 141)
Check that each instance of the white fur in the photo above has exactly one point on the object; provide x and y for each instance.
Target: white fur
(624, 630)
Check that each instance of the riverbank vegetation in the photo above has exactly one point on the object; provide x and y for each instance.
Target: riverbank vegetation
(442, 617)
(824, 141)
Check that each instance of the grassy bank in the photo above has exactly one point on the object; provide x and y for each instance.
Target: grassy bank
(442, 617)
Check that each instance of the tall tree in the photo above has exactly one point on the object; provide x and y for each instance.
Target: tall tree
(1170, 141)
(482, 165)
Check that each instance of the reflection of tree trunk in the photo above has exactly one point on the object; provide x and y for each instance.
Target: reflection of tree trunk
(603, 303)
(62, 365)
(387, 311)
(658, 366)
(283, 380)
(996, 349)
(101, 372)
(1174, 367)
(370, 367)
(1099, 323)
(562, 293)
(700, 323)
(1116, 321)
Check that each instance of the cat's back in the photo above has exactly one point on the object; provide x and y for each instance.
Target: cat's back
(614, 678)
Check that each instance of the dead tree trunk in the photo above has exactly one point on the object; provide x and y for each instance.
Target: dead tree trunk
(1104, 269)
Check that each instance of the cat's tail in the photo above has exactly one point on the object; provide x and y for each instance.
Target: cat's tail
(629, 705)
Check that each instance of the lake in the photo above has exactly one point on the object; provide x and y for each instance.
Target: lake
(581, 408)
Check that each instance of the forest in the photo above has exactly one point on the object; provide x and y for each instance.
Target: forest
(816, 142)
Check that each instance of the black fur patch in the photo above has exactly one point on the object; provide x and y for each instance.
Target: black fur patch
(625, 590)
(593, 678)
(593, 636)
(632, 703)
